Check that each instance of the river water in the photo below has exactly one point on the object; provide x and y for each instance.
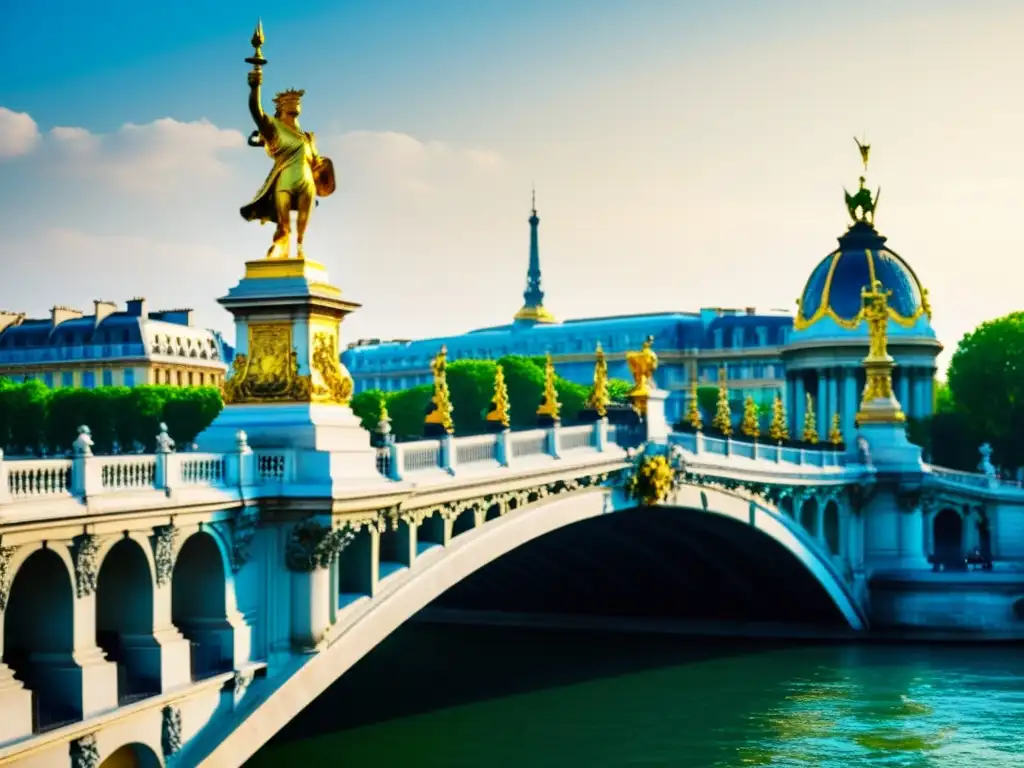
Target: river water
(493, 697)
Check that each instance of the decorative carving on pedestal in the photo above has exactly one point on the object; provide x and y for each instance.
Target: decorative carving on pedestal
(269, 373)
(163, 553)
(86, 547)
(312, 546)
(170, 731)
(84, 752)
(330, 381)
(6, 555)
(242, 682)
(242, 534)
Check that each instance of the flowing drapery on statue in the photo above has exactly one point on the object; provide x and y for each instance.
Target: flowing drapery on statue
(299, 174)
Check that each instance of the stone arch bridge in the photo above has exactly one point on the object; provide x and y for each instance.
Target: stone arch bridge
(180, 608)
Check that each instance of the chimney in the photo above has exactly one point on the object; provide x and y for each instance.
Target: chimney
(10, 319)
(59, 314)
(137, 307)
(751, 310)
(102, 310)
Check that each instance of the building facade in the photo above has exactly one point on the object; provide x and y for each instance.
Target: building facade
(763, 354)
(111, 347)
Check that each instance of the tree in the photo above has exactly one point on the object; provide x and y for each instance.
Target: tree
(779, 428)
(810, 434)
(525, 381)
(751, 425)
(618, 390)
(190, 410)
(707, 399)
(986, 382)
(470, 387)
(366, 406)
(408, 409)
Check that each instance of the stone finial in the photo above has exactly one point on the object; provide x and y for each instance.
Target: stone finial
(164, 442)
(83, 443)
(242, 441)
(985, 465)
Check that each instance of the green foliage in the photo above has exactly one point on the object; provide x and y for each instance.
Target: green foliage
(366, 406)
(618, 391)
(407, 410)
(524, 378)
(471, 387)
(33, 416)
(986, 385)
(572, 396)
(707, 399)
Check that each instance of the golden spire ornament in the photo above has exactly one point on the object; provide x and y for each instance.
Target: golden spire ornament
(723, 416)
(778, 430)
(751, 425)
(878, 404)
(810, 434)
(835, 434)
(549, 407)
(439, 414)
(499, 404)
(599, 399)
(693, 417)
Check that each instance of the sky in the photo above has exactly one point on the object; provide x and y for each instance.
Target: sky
(684, 153)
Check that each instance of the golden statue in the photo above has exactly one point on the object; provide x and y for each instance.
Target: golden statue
(599, 399)
(499, 404)
(299, 174)
(439, 414)
(878, 404)
(861, 205)
(642, 365)
(549, 407)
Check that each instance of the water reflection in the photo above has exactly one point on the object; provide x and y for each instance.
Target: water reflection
(828, 706)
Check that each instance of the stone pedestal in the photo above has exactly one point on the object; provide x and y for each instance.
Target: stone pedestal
(15, 707)
(656, 426)
(287, 389)
(163, 657)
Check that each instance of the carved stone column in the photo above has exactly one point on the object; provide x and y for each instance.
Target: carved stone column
(310, 550)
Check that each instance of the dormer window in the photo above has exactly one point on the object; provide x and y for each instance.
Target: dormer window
(718, 338)
(762, 335)
(737, 338)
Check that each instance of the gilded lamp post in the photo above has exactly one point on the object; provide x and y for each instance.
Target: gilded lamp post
(300, 174)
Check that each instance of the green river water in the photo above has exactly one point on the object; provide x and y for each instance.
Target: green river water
(494, 697)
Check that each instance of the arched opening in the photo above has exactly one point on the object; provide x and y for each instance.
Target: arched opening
(786, 505)
(39, 638)
(124, 620)
(493, 513)
(396, 548)
(132, 756)
(809, 516)
(830, 526)
(464, 522)
(199, 605)
(948, 534)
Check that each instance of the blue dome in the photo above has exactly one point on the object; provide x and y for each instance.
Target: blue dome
(834, 288)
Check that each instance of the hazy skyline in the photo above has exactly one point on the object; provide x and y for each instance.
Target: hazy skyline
(685, 154)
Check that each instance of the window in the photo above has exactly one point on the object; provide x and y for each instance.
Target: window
(89, 379)
(178, 378)
(67, 379)
(718, 338)
(108, 378)
(190, 378)
(48, 379)
(129, 377)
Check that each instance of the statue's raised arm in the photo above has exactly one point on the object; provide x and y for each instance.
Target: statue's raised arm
(263, 124)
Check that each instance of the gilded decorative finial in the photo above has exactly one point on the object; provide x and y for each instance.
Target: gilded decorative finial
(440, 410)
(878, 404)
(599, 399)
(778, 430)
(723, 415)
(810, 434)
(751, 425)
(549, 407)
(499, 404)
(835, 434)
(693, 417)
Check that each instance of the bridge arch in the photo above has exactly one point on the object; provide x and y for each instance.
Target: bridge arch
(831, 525)
(39, 629)
(134, 755)
(809, 515)
(948, 537)
(203, 605)
(439, 568)
(125, 612)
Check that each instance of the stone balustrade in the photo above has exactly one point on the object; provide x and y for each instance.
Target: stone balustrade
(698, 443)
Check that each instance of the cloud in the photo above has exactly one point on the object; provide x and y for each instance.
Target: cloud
(19, 133)
(146, 157)
(397, 159)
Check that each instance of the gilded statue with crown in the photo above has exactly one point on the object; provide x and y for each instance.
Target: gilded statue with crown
(300, 174)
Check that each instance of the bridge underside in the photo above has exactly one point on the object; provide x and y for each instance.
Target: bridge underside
(651, 563)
